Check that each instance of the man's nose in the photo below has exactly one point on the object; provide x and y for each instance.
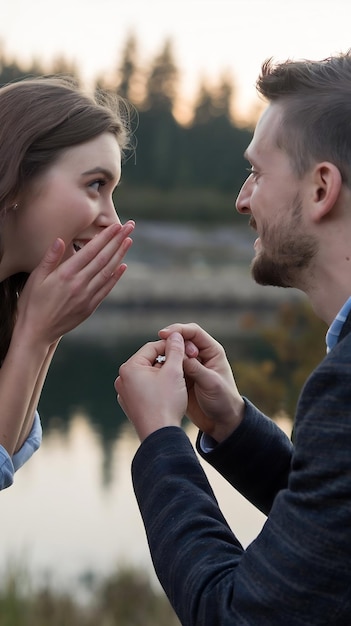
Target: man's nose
(242, 203)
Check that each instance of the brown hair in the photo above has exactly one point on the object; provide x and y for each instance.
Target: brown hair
(315, 98)
(39, 118)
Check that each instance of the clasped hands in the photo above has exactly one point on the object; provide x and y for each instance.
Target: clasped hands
(196, 380)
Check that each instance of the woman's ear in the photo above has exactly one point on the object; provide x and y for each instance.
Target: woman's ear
(327, 184)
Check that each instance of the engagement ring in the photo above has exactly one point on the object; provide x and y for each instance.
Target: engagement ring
(160, 359)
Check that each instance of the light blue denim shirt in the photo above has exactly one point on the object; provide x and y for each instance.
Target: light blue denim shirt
(9, 465)
(333, 333)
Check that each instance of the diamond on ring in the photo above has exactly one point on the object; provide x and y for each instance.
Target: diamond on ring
(160, 359)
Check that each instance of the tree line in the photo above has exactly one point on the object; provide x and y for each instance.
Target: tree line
(175, 168)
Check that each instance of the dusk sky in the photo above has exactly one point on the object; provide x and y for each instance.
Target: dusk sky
(209, 36)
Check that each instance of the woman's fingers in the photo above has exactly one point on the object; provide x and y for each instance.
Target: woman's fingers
(58, 297)
(105, 250)
(191, 332)
(198, 342)
(94, 271)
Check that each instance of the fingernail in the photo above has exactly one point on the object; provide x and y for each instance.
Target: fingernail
(191, 349)
(176, 336)
(56, 245)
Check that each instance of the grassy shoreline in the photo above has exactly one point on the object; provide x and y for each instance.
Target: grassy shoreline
(113, 602)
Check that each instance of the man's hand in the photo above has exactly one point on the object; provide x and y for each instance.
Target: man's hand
(154, 395)
(214, 403)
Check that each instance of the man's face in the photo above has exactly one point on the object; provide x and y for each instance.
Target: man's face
(273, 196)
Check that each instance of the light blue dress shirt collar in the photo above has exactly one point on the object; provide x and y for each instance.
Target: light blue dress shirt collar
(336, 326)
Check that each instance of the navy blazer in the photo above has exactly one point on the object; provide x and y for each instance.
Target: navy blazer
(298, 570)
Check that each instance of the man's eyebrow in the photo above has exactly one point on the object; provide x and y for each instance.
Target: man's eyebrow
(250, 158)
(99, 170)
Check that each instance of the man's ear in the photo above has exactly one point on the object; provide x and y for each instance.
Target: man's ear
(327, 184)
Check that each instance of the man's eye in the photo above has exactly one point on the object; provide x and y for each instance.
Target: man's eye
(96, 184)
(253, 172)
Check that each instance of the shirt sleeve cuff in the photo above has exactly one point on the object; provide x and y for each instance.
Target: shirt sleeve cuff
(31, 444)
(6, 469)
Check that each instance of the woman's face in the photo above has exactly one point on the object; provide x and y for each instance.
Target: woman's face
(71, 200)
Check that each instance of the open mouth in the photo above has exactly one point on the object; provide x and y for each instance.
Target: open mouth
(78, 245)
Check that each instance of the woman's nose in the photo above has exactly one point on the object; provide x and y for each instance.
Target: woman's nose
(108, 214)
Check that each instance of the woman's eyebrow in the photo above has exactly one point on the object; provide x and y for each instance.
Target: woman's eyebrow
(99, 170)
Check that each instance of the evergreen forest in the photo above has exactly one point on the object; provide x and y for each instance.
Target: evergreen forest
(176, 170)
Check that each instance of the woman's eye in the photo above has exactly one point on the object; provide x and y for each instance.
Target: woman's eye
(96, 184)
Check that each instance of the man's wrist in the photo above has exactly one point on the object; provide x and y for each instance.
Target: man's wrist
(224, 428)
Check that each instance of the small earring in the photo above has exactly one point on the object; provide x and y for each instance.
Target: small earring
(12, 207)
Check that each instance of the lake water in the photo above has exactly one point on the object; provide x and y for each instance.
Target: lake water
(64, 524)
(71, 516)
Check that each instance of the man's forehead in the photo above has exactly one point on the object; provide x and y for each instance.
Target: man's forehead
(265, 132)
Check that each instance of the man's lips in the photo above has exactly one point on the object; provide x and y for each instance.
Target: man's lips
(257, 244)
(252, 223)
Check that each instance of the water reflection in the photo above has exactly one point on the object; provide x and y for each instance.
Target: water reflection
(59, 521)
(81, 379)
(65, 528)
